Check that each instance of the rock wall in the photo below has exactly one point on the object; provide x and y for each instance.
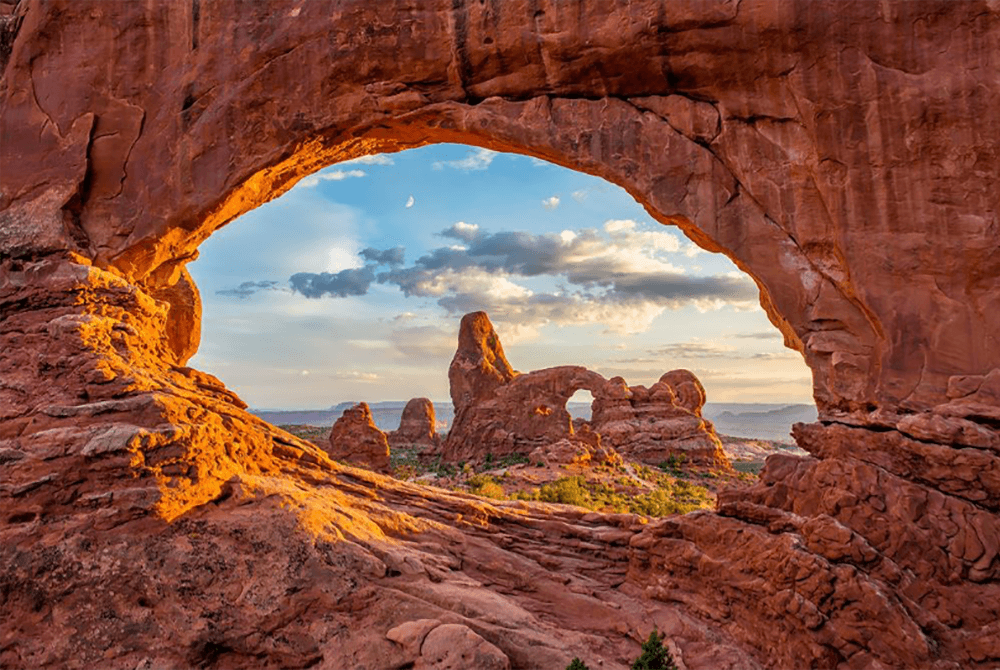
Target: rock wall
(843, 154)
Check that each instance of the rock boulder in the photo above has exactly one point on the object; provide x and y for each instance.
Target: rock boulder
(417, 427)
(356, 439)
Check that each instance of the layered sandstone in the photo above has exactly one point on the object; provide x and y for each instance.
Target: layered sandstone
(355, 438)
(844, 155)
(501, 412)
(659, 423)
(417, 427)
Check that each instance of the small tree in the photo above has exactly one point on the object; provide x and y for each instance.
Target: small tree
(654, 655)
(577, 664)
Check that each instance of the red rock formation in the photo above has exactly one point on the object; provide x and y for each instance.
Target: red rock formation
(655, 424)
(479, 366)
(417, 427)
(356, 439)
(845, 155)
(506, 413)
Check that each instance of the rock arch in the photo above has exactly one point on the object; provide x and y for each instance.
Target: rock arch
(844, 155)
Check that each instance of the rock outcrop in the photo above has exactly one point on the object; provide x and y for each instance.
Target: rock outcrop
(417, 427)
(655, 424)
(844, 155)
(355, 438)
(501, 412)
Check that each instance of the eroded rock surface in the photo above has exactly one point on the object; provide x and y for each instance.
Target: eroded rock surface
(659, 423)
(845, 155)
(417, 427)
(503, 412)
(355, 438)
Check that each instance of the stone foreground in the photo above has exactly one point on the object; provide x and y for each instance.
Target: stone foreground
(844, 154)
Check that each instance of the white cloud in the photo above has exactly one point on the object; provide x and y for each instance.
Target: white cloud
(333, 175)
(479, 159)
(538, 162)
(409, 202)
(356, 376)
(580, 195)
(374, 159)
(551, 203)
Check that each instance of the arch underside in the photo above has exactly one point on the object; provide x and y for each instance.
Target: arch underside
(847, 164)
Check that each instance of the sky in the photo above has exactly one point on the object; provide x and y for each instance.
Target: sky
(351, 285)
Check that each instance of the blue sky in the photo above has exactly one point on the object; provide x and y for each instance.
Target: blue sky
(351, 285)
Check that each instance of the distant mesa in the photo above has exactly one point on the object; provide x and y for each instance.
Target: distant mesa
(500, 411)
(356, 439)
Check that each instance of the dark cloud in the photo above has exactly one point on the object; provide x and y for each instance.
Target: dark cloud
(392, 256)
(248, 288)
(353, 281)
(466, 232)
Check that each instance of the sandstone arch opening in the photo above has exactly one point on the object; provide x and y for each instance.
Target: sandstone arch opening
(571, 268)
(843, 156)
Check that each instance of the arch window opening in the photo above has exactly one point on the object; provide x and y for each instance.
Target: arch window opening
(351, 286)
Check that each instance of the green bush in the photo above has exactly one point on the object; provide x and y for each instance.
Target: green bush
(577, 664)
(654, 655)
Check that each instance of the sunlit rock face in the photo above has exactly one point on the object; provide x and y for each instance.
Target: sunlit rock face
(356, 439)
(659, 423)
(499, 411)
(417, 427)
(842, 154)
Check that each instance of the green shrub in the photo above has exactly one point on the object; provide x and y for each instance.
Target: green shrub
(577, 664)
(654, 655)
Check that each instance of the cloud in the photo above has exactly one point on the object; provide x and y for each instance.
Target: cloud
(334, 175)
(538, 162)
(695, 350)
(551, 203)
(394, 256)
(422, 343)
(248, 288)
(374, 159)
(479, 159)
(705, 350)
(463, 231)
(759, 335)
(352, 281)
(356, 376)
(580, 195)
(620, 275)
(409, 202)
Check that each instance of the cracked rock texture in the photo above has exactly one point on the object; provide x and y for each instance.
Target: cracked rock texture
(843, 154)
